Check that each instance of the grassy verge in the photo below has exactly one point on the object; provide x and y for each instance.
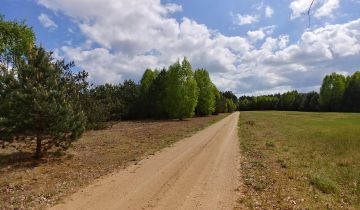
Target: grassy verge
(295, 160)
(25, 184)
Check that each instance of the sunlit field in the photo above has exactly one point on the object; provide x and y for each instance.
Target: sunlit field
(300, 160)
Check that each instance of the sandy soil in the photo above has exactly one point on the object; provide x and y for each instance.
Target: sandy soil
(29, 184)
(199, 172)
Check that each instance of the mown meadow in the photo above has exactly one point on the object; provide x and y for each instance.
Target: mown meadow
(300, 159)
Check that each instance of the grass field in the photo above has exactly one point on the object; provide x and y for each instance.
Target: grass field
(29, 184)
(296, 160)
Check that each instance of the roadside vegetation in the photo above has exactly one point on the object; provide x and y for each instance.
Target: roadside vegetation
(300, 160)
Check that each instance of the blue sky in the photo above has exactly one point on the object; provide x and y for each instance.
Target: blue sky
(249, 46)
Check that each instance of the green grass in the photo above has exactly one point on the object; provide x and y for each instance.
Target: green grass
(309, 160)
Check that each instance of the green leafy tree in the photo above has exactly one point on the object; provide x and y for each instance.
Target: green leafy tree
(16, 42)
(332, 91)
(221, 103)
(206, 100)
(217, 100)
(231, 106)
(41, 101)
(231, 95)
(310, 102)
(352, 93)
(244, 104)
(288, 101)
(146, 81)
(181, 93)
(146, 102)
(107, 97)
(314, 103)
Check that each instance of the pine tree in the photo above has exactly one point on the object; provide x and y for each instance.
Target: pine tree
(41, 101)
(157, 94)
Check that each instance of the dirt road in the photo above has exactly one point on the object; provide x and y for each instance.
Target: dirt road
(199, 172)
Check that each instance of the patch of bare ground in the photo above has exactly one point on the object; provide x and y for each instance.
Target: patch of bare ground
(29, 184)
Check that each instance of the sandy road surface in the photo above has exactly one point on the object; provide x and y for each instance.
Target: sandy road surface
(200, 172)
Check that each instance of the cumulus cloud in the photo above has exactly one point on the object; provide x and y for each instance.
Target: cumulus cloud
(46, 21)
(135, 35)
(261, 33)
(269, 11)
(299, 7)
(301, 65)
(133, 29)
(327, 8)
(244, 19)
(256, 35)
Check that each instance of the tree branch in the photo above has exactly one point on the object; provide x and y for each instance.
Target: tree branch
(312, 3)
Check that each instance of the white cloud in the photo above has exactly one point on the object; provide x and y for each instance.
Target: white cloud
(245, 19)
(299, 7)
(268, 29)
(269, 11)
(261, 33)
(318, 52)
(173, 7)
(283, 41)
(327, 8)
(46, 21)
(127, 35)
(135, 35)
(321, 8)
(256, 35)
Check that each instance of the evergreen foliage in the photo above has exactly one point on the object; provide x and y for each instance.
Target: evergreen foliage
(40, 100)
(351, 101)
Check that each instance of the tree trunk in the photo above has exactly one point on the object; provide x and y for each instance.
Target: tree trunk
(38, 147)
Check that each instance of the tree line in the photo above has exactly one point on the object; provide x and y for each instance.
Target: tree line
(46, 105)
(338, 93)
(177, 92)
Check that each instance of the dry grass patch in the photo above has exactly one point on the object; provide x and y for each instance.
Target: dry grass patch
(28, 184)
